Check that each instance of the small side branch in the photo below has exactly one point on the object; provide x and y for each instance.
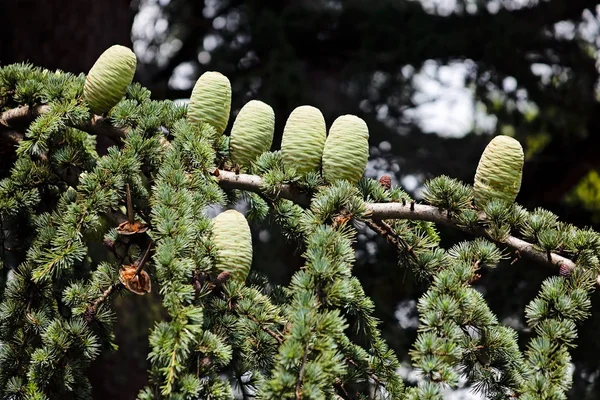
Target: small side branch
(140, 262)
(101, 126)
(387, 232)
(301, 374)
(533, 254)
(93, 308)
(341, 390)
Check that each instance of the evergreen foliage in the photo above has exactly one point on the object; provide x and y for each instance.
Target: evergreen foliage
(72, 240)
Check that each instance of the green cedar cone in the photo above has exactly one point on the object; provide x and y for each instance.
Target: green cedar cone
(210, 101)
(346, 150)
(499, 171)
(303, 140)
(252, 132)
(233, 241)
(107, 81)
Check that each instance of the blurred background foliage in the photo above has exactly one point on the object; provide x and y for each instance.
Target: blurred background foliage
(434, 79)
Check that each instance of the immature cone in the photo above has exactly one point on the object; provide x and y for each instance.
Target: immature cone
(564, 271)
(499, 171)
(252, 133)
(386, 182)
(303, 140)
(233, 242)
(210, 101)
(346, 150)
(107, 81)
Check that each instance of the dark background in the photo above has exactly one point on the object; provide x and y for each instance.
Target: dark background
(525, 68)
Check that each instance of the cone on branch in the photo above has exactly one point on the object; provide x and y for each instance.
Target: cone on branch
(210, 101)
(252, 133)
(565, 271)
(108, 79)
(134, 278)
(233, 241)
(346, 149)
(499, 172)
(303, 140)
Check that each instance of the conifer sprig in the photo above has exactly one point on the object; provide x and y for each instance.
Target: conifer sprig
(327, 275)
(458, 333)
(561, 303)
(182, 191)
(71, 213)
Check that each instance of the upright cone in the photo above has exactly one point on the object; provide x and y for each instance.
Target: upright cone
(499, 171)
(303, 140)
(210, 101)
(252, 133)
(233, 241)
(346, 150)
(107, 81)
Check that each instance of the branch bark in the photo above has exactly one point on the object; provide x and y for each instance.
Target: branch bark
(254, 183)
(21, 116)
(433, 214)
(19, 119)
(382, 211)
(11, 137)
